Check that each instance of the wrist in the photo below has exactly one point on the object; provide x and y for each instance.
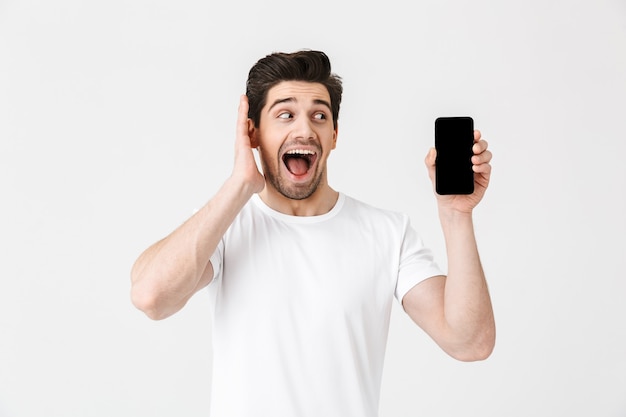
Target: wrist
(240, 188)
(246, 185)
(455, 218)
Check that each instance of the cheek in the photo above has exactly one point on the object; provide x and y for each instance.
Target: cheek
(268, 158)
(333, 143)
(263, 153)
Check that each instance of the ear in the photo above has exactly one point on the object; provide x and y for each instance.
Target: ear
(252, 134)
(335, 133)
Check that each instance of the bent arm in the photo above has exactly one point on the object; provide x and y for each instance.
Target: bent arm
(169, 272)
(456, 310)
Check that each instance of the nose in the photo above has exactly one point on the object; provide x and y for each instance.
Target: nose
(303, 129)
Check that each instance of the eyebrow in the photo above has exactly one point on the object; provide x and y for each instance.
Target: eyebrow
(293, 100)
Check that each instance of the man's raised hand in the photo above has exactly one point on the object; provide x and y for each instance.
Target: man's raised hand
(245, 168)
(481, 165)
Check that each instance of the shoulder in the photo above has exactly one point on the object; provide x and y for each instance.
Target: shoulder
(366, 212)
(354, 204)
(248, 219)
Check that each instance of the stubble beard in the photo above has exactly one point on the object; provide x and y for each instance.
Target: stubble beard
(292, 191)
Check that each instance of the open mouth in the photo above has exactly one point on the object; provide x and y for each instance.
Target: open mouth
(299, 161)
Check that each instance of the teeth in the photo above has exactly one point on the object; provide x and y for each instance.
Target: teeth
(300, 152)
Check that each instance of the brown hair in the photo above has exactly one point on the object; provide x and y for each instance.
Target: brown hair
(304, 65)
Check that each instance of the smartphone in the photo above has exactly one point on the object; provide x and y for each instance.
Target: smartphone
(454, 139)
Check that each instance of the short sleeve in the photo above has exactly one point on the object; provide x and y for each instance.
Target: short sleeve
(217, 260)
(416, 262)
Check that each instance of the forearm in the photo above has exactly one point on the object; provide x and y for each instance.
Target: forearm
(467, 304)
(169, 272)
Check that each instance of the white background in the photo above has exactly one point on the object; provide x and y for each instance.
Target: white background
(117, 120)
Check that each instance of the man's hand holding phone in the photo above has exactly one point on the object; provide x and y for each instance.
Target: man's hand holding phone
(459, 164)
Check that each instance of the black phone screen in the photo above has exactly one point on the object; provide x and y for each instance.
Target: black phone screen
(454, 139)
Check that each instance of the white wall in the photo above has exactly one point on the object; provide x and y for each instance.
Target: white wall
(117, 121)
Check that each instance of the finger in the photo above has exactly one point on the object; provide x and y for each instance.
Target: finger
(477, 135)
(430, 163)
(484, 169)
(480, 147)
(242, 116)
(482, 158)
(431, 157)
(245, 138)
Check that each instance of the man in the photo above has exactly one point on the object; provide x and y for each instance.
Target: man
(302, 277)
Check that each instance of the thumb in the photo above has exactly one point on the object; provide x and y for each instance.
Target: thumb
(430, 162)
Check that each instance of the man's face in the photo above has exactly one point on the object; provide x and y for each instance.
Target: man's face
(295, 137)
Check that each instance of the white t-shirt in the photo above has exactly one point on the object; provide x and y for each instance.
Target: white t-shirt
(301, 308)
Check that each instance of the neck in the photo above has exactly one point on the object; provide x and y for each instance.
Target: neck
(320, 202)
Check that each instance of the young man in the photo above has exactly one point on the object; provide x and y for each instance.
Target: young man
(302, 277)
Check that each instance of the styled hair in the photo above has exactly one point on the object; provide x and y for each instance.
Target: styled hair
(304, 65)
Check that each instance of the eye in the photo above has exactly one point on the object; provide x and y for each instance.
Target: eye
(285, 115)
(319, 116)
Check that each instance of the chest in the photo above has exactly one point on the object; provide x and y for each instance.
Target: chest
(316, 273)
